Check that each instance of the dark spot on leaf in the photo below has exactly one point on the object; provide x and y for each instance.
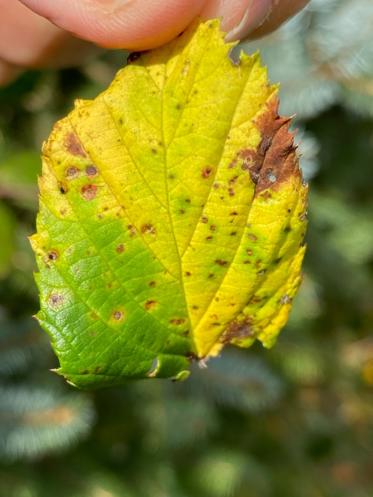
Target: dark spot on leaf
(150, 304)
(221, 262)
(233, 233)
(132, 230)
(209, 238)
(120, 121)
(177, 321)
(252, 237)
(234, 213)
(195, 307)
(152, 284)
(231, 192)
(181, 211)
(120, 248)
(206, 172)
(55, 299)
(213, 227)
(74, 146)
(210, 276)
(72, 172)
(287, 229)
(188, 273)
(187, 200)
(154, 150)
(53, 255)
(91, 170)
(89, 192)
(238, 330)
(148, 229)
(63, 189)
(275, 159)
(118, 315)
(204, 219)
(249, 252)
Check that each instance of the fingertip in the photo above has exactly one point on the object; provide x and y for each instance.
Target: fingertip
(8, 72)
(134, 25)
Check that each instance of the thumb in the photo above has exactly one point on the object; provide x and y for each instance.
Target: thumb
(131, 24)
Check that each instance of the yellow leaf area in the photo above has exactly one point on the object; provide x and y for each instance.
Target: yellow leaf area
(172, 215)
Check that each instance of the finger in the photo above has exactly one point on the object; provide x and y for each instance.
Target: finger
(241, 18)
(29, 40)
(283, 10)
(8, 72)
(131, 24)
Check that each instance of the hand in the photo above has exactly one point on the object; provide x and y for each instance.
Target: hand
(52, 32)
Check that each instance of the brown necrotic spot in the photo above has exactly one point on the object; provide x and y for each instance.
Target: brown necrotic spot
(117, 315)
(221, 262)
(72, 172)
(275, 160)
(89, 192)
(152, 284)
(53, 255)
(237, 330)
(150, 304)
(148, 229)
(74, 146)
(91, 170)
(120, 248)
(177, 321)
(55, 300)
(63, 188)
(206, 172)
(132, 230)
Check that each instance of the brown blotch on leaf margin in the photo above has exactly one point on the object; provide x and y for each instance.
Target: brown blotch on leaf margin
(275, 160)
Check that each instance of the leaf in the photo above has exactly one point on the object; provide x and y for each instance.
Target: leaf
(172, 215)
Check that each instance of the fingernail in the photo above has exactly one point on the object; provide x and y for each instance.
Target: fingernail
(255, 14)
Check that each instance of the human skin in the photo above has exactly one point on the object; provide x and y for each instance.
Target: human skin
(57, 33)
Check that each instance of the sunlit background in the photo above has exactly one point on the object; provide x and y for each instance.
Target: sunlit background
(295, 421)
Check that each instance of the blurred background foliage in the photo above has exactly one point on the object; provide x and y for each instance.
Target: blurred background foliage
(295, 421)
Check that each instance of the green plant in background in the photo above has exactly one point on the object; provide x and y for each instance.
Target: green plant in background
(293, 422)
